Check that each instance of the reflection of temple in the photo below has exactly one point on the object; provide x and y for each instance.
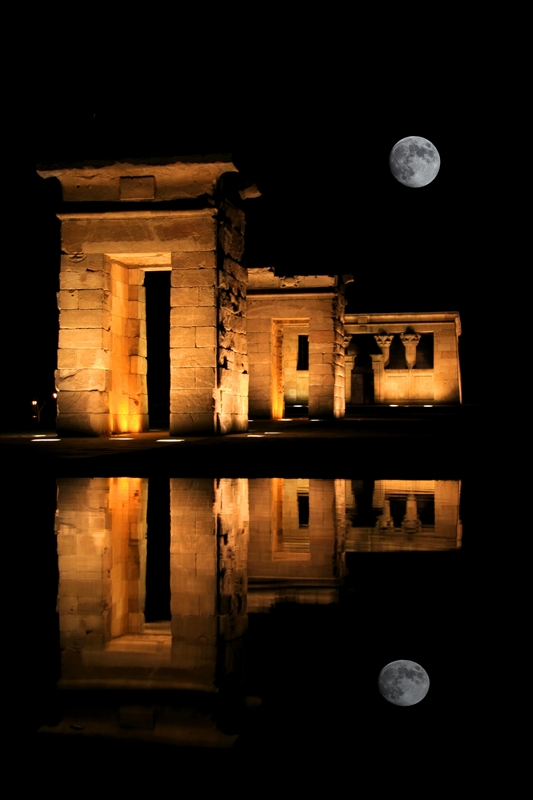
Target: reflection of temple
(240, 341)
(237, 546)
(402, 515)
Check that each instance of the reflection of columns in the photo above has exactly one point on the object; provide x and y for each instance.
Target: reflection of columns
(385, 522)
(410, 342)
(411, 523)
(384, 341)
(340, 528)
(232, 516)
(193, 560)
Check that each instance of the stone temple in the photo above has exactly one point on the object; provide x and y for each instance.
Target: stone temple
(243, 342)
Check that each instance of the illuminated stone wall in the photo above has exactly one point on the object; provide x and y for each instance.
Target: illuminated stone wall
(276, 303)
(233, 372)
(441, 384)
(101, 376)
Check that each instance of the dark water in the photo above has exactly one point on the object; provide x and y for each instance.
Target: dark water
(265, 608)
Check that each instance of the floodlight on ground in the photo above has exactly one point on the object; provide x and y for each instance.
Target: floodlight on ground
(170, 440)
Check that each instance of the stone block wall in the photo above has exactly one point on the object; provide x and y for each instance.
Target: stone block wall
(101, 543)
(267, 316)
(193, 339)
(231, 398)
(446, 365)
(194, 574)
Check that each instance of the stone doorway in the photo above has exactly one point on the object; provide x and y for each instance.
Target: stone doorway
(157, 291)
(290, 367)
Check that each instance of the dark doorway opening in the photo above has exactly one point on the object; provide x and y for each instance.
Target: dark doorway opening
(157, 285)
(157, 604)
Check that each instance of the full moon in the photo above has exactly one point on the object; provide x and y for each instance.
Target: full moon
(403, 683)
(414, 161)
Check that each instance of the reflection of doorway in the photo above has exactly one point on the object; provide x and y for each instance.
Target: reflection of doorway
(157, 285)
(157, 602)
(290, 368)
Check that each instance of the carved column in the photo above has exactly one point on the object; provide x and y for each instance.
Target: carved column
(411, 523)
(410, 342)
(384, 341)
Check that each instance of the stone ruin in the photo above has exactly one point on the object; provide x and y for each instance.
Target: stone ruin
(242, 341)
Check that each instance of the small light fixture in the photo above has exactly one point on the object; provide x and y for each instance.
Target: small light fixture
(170, 440)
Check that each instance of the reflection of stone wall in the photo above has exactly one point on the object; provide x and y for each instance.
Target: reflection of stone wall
(286, 562)
(193, 569)
(101, 530)
(411, 532)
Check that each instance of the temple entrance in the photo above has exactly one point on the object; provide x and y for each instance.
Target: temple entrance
(290, 364)
(157, 287)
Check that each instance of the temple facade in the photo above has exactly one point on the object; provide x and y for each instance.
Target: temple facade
(242, 341)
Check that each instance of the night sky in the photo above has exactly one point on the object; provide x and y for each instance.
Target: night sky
(314, 131)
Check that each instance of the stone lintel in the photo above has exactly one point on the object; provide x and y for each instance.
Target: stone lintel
(171, 179)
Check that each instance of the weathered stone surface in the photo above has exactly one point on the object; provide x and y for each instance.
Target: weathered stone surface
(85, 318)
(182, 336)
(182, 278)
(184, 316)
(67, 299)
(81, 280)
(232, 242)
(81, 380)
(192, 423)
(67, 359)
(195, 260)
(141, 232)
(193, 357)
(184, 296)
(205, 337)
(82, 401)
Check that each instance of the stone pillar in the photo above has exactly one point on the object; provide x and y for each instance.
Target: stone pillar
(323, 358)
(410, 342)
(349, 365)
(231, 398)
(193, 339)
(378, 369)
(85, 345)
(411, 523)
